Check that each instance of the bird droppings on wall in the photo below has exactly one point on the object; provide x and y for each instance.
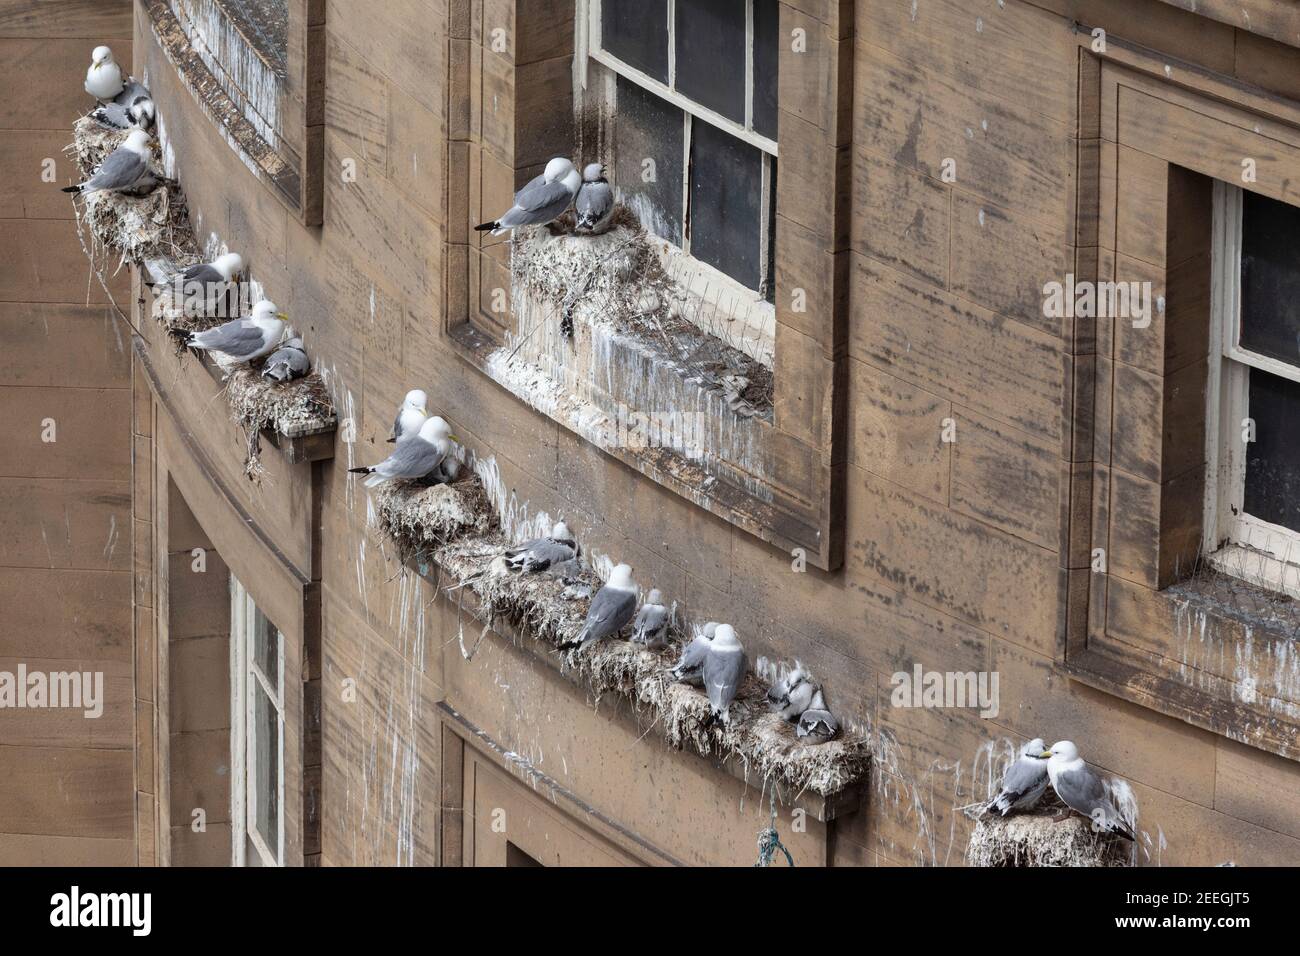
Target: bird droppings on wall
(431, 526)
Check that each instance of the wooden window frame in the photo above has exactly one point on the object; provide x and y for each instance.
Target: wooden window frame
(244, 670)
(508, 115)
(1148, 623)
(1236, 542)
(293, 167)
(722, 288)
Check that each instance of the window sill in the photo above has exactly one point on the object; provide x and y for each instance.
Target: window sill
(1211, 650)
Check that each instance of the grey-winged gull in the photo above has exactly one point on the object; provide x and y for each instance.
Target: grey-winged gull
(1025, 781)
(414, 458)
(542, 200)
(132, 107)
(287, 363)
(651, 624)
(1082, 790)
(540, 554)
(104, 79)
(243, 339)
(689, 668)
(594, 206)
(411, 415)
(125, 169)
(611, 609)
(792, 694)
(204, 286)
(724, 669)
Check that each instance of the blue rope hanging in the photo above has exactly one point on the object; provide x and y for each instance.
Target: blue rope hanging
(769, 841)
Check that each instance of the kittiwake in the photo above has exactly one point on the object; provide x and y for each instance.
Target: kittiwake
(611, 609)
(651, 624)
(243, 339)
(287, 363)
(724, 669)
(689, 668)
(542, 200)
(411, 414)
(413, 458)
(104, 79)
(203, 287)
(817, 724)
(594, 206)
(1082, 790)
(1025, 781)
(540, 554)
(792, 694)
(125, 169)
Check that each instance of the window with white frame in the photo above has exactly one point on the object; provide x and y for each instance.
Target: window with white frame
(690, 89)
(1253, 492)
(256, 734)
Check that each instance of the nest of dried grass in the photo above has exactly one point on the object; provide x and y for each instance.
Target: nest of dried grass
(1034, 838)
(618, 280)
(293, 409)
(454, 528)
(134, 227)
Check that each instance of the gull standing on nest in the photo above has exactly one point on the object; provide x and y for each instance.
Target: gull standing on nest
(611, 609)
(1082, 790)
(124, 170)
(594, 206)
(104, 79)
(242, 340)
(724, 669)
(1025, 781)
(414, 458)
(411, 415)
(544, 199)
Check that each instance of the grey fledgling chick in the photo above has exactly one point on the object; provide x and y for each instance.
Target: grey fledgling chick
(689, 668)
(792, 695)
(651, 625)
(541, 553)
(287, 363)
(1025, 781)
(817, 724)
(724, 669)
(594, 206)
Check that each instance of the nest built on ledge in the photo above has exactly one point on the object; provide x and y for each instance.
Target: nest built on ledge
(618, 279)
(453, 528)
(135, 227)
(154, 232)
(1035, 838)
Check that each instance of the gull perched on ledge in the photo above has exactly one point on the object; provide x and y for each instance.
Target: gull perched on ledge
(125, 169)
(411, 416)
(1082, 790)
(243, 339)
(611, 609)
(104, 78)
(544, 198)
(415, 458)
(1025, 781)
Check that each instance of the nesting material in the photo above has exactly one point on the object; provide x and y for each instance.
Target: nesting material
(432, 523)
(617, 279)
(1036, 839)
(293, 409)
(135, 227)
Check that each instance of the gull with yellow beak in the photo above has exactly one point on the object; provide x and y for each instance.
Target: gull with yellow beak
(243, 340)
(104, 78)
(414, 458)
(1082, 790)
(411, 415)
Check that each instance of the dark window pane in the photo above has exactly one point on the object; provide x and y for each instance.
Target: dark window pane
(1273, 459)
(1270, 278)
(649, 128)
(766, 50)
(726, 202)
(636, 31)
(711, 54)
(266, 766)
(769, 290)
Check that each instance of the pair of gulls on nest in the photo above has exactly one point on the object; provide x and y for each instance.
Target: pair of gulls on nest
(205, 287)
(1078, 786)
(547, 197)
(123, 102)
(426, 448)
(714, 659)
